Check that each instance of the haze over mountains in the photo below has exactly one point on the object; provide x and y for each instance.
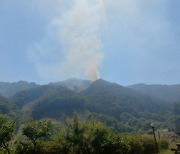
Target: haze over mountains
(169, 93)
(9, 89)
(127, 108)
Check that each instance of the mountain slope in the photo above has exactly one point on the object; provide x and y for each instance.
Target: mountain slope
(109, 102)
(111, 98)
(9, 89)
(49, 102)
(169, 93)
(9, 108)
(6, 106)
(22, 98)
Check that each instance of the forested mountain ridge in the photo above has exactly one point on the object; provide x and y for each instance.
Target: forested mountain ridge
(111, 94)
(9, 89)
(129, 107)
(104, 100)
(24, 97)
(169, 93)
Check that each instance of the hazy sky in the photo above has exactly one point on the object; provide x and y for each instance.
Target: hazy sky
(140, 40)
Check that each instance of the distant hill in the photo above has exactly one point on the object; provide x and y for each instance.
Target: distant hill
(169, 93)
(48, 101)
(8, 89)
(24, 97)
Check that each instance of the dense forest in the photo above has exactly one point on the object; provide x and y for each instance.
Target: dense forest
(76, 136)
(123, 108)
(77, 116)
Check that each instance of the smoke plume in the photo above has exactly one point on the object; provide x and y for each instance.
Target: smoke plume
(73, 46)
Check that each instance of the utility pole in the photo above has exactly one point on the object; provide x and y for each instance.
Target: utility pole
(155, 141)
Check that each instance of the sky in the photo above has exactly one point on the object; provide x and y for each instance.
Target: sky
(122, 41)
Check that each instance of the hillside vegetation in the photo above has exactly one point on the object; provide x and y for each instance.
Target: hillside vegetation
(123, 108)
(77, 116)
(75, 137)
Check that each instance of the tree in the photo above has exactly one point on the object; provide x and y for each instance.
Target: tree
(36, 130)
(6, 132)
(75, 135)
(101, 139)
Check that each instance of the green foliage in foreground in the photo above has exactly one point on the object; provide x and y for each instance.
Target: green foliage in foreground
(76, 137)
(35, 130)
(6, 132)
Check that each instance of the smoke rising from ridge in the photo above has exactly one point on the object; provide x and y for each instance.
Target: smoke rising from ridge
(79, 50)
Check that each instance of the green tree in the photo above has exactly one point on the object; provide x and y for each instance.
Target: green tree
(36, 130)
(75, 135)
(6, 132)
(94, 137)
(102, 139)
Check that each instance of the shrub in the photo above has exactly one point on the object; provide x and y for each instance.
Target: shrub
(163, 144)
(136, 145)
(148, 145)
(141, 144)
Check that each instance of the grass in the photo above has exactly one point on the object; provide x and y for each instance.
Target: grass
(172, 144)
(167, 152)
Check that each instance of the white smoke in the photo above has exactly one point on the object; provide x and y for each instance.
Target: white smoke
(75, 48)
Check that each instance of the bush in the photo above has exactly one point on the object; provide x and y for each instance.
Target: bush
(163, 144)
(23, 147)
(141, 144)
(148, 145)
(135, 144)
(52, 147)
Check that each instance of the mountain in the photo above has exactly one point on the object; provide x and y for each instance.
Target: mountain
(24, 97)
(48, 101)
(8, 89)
(109, 102)
(168, 93)
(114, 99)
